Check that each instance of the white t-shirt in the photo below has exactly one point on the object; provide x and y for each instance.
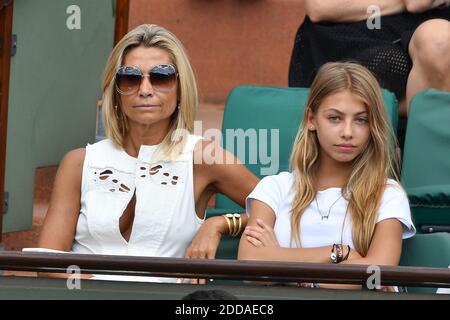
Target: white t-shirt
(278, 192)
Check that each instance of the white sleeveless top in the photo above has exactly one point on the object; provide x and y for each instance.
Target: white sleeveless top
(165, 220)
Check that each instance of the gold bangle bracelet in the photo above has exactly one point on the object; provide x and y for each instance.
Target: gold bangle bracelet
(227, 219)
(234, 228)
(233, 234)
(237, 230)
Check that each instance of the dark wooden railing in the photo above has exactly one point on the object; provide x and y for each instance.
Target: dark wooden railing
(223, 269)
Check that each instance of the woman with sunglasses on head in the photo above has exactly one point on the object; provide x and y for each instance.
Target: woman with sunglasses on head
(339, 204)
(143, 191)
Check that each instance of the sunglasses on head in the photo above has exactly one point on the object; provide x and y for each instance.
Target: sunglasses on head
(163, 78)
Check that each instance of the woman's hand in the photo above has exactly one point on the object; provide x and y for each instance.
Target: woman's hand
(205, 243)
(261, 235)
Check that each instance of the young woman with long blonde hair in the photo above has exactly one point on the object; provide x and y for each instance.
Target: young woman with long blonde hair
(341, 203)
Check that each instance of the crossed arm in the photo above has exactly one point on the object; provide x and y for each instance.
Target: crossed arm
(417, 6)
(259, 242)
(353, 11)
(349, 10)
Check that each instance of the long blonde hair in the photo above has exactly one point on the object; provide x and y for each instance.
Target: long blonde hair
(115, 122)
(367, 181)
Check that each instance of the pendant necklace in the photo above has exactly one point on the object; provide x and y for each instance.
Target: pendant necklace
(325, 217)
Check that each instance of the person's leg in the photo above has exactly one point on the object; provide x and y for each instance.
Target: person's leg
(429, 50)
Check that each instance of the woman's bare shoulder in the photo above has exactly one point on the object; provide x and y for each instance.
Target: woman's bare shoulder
(75, 156)
(72, 162)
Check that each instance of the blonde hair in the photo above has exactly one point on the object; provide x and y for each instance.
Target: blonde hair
(115, 122)
(366, 184)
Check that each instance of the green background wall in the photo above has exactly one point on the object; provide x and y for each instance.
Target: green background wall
(54, 87)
